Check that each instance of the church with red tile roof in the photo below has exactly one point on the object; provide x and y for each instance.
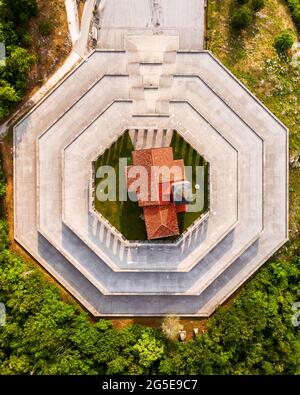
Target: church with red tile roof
(156, 171)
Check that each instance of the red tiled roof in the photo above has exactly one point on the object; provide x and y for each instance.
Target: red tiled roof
(147, 197)
(160, 212)
(161, 156)
(161, 221)
(142, 158)
(172, 170)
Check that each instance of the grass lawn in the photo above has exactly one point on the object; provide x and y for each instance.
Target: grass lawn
(124, 216)
(250, 55)
(127, 216)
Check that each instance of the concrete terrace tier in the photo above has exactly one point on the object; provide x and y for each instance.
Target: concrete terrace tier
(165, 286)
(193, 94)
(141, 256)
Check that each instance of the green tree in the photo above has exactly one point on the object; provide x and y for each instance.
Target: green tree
(241, 18)
(18, 64)
(257, 5)
(119, 365)
(8, 33)
(21, 10)
(149, 349)
(283, 42)
(4, 240)
(8, 97)
(45, 28)
(26, 40)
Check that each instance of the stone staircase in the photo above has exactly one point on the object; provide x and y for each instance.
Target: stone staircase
(151, 64)
(150, 138)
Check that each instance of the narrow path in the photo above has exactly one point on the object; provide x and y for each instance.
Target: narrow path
(73, 20)
(81, 45)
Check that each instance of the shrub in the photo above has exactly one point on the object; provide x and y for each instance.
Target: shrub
(171, 326)
(26, 40)
(242, 1)
(4, 239)
(45, 28)
(241, 18)
(257, 4)
(283, 42)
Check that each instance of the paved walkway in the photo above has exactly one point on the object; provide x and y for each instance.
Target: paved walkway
(80, 46)
(73, 20)
(184, 19)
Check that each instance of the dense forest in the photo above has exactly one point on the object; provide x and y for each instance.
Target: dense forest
(14, 16)
(45, 335)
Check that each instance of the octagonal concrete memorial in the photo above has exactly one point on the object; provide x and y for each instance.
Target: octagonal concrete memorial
(193, 94)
